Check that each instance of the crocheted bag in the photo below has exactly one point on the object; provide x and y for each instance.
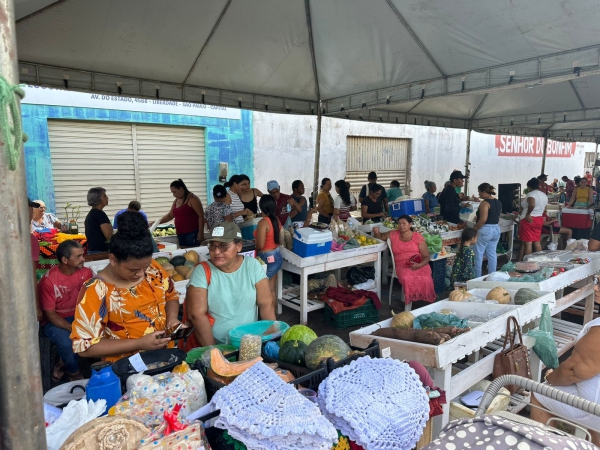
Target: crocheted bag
(262, 411)
(378, 403)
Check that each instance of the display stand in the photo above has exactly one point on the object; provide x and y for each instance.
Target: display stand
(295, 297)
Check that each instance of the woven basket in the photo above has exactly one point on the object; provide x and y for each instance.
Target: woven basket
(107, 433)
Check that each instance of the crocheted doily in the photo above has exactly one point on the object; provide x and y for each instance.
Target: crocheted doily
(379, 403)
(264, 412)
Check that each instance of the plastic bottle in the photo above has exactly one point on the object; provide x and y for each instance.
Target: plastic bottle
(103, 384)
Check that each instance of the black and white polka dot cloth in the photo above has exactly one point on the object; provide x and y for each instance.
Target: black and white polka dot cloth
(498, 433)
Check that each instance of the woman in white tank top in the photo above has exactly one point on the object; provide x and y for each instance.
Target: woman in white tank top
(578, 375)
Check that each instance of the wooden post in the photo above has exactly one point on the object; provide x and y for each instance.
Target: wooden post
(544, 154)
(21, 400)
(317, 157)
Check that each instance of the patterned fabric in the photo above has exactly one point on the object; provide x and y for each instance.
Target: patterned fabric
(417, 284)
(389, 406)
(216, 213)
(107, 312)
(464, 266)
(47, 221)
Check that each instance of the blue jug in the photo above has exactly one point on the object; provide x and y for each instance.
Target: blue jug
(103, 384)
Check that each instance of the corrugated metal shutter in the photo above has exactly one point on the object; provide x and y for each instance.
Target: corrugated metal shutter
(90, 154)
(165, 154)
(386, 156)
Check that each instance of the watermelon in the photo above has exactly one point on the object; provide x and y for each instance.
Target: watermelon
(292, 352)
(323, 348)
(525, 295)
(178, 261)
(162, 260)
(298, 333)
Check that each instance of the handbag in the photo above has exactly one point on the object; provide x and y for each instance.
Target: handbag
(515, 359)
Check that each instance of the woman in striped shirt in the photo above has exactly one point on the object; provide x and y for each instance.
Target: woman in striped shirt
(234, 186)
(344, 202)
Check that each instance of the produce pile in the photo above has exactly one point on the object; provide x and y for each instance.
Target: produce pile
(179, 268)
(168, 230)
(423, 223)
(345, 238)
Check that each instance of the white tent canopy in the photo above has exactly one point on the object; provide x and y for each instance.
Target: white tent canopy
(497, 66)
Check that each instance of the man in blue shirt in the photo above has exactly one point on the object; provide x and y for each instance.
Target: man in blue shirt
(133, 206)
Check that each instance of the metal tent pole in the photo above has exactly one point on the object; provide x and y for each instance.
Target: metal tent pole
(317, 157)
(595, 157)
(467, 163)
(21, 411)
(544, 154)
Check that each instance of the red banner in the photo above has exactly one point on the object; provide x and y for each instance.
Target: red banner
(532, 147)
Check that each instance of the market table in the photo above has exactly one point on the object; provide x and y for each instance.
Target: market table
(295, 297)
(442, 357)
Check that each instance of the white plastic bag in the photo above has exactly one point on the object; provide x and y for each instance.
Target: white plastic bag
(368, 285)
(74, 415)
(498, 276)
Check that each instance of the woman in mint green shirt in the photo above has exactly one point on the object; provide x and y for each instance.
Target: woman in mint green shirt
(394, 191)
(238, 290)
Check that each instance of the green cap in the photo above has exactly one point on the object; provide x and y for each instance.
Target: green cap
(225, 232)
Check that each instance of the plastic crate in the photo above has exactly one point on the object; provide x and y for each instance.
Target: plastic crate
(372, 350)
(438, 273)
(366, 314)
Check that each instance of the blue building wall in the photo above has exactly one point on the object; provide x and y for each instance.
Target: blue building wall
(227, 140)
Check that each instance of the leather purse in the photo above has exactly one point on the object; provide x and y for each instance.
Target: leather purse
(513, 360)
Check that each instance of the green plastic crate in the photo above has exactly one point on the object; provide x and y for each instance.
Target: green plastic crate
(366, 314)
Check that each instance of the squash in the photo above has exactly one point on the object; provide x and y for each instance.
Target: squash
(178, 277)
(224, 368)
(402, 320)
(178, 261)
(171, 272)
(189, 275)
(458, 295)
(182, 270)
(213, 376)
(292, 352)
(323, 348)
(499, 294)
(525, 295)
(191, 256)
(162, 260)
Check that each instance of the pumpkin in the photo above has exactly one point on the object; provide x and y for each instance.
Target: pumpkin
(323, 348)
(168, 266)
(213, 376)
(191, 256)
(178, 277)
(171, 272)
(525, 295)
(298, 333)
(292, 352)
(178, 261)
(190, 265)
(499, 294)
(458, 295)
(162, 260)
(189, 275)
(402, 320)
(224, 368)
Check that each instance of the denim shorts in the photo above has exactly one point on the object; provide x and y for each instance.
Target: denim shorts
(277, 261)
(188, 239)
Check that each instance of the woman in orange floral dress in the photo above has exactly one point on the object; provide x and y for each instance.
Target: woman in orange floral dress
(129, 304)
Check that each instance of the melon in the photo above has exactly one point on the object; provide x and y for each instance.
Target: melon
(298, 333)
(162, 260)
(178, 277)
(168, 266)
(525, 295)
(191, 256)
(403, 319)
(178, 261)
(323, 348)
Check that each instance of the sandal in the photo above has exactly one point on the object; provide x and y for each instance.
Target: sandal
(58, 371)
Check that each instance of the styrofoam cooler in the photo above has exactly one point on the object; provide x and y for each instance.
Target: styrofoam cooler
(311, 242)
(247, 228)
(577, 218)
(408, 206)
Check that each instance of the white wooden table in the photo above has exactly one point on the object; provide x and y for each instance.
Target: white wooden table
(296, 297)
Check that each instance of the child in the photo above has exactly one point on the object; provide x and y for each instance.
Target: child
(218, 211)
(267, 236)
(464, 264)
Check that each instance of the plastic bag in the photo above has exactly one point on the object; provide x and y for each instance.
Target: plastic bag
(498, 276)
(359, 275)
(434, 242)
(368, 285)
(436, 320)
(545, 346)
(508, 267)
(74, 415)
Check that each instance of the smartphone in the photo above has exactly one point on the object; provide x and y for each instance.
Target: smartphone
(179, 332)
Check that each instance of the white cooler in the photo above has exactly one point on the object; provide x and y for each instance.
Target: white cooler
(311, 242)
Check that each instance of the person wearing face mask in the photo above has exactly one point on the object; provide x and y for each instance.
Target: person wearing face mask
(230, 288)
(130, 303)
(449, 199)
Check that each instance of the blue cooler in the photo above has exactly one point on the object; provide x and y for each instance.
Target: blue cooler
(311, 242)
(410, 206)
(247, 228)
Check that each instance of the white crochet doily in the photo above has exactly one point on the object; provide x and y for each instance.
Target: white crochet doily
(264, 412)
(380, 404)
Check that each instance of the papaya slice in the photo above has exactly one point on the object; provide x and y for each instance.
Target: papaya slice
(225, 368)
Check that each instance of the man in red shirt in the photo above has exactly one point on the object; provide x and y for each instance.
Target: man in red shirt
(58, 291)
(588, 176)
(286, 205)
